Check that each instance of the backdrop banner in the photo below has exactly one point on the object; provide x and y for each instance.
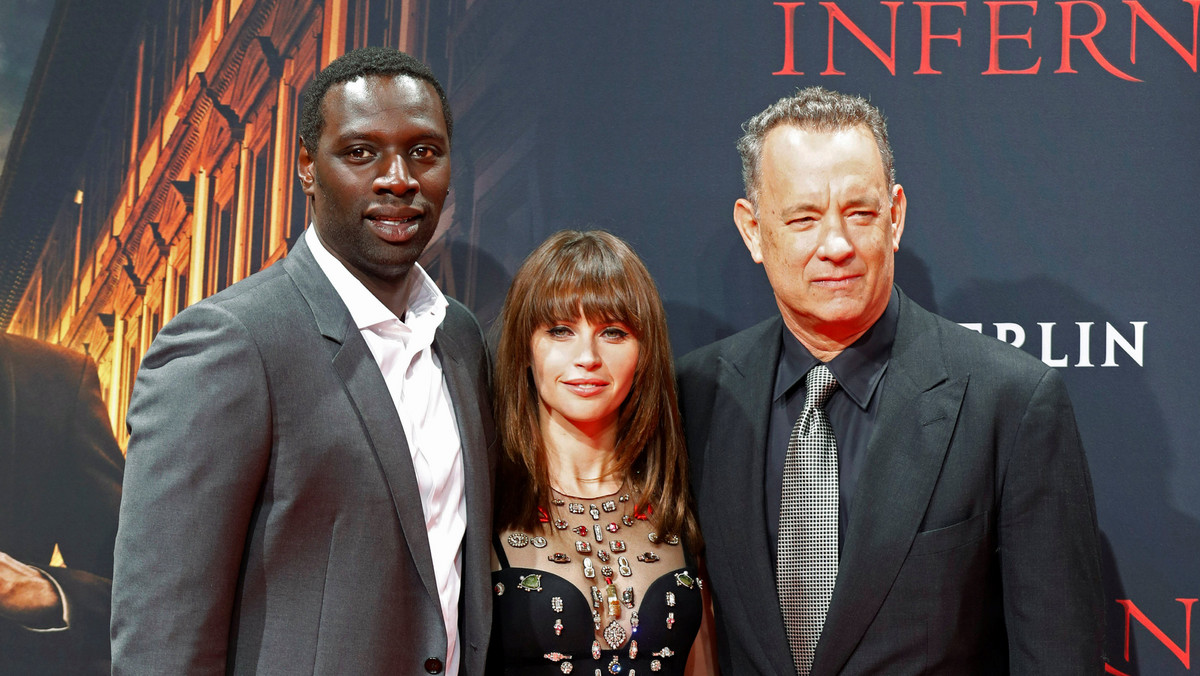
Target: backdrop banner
(1049, 151)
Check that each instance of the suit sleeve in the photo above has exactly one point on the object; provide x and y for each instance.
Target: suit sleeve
(1049, 546)
(200, 425)
(84, 515)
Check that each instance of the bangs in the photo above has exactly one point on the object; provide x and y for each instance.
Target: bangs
(589, 280)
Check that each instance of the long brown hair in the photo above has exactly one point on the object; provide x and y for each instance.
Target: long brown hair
(598, 275)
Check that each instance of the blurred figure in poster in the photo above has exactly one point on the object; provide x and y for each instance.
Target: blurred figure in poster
(594, 516)
(60, 484)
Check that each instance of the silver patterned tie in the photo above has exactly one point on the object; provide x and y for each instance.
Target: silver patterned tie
(807, 561)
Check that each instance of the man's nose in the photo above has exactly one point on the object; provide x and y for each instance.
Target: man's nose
(835, 245)
(396, 177)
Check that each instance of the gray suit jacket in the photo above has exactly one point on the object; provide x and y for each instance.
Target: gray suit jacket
(972, 545)
(271, 522)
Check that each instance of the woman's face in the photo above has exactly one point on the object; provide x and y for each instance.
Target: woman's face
(583, 372)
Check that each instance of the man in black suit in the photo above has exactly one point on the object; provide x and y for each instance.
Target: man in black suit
(60, 483)
(966, 533)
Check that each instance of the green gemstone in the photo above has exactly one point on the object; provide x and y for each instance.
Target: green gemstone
(684, 580)
(532, 583)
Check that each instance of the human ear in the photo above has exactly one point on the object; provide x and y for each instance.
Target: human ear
(747, 224)
(898, 211)
(304, 169)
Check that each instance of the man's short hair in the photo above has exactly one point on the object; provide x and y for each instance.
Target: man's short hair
(813, 109)
(363, 62)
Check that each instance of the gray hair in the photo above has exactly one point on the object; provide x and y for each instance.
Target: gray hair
(815, 109)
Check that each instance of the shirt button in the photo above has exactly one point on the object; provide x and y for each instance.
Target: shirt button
(433, 665)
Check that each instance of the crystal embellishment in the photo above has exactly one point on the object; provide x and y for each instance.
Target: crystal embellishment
(614, 634)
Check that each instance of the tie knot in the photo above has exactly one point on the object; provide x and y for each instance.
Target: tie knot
(819, 385)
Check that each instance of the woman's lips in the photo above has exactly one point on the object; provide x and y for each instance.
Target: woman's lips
(585, 388)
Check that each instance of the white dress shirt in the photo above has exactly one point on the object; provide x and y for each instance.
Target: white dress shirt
(403, 349)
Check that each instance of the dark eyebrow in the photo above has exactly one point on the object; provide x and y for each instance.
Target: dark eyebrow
(800, 206)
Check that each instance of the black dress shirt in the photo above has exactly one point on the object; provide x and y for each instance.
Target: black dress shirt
(852, 410)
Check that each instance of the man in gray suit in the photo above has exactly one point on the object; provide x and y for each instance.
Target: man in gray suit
(960, 529)
(309, 475)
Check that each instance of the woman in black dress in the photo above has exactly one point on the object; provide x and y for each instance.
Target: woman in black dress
(595, 567)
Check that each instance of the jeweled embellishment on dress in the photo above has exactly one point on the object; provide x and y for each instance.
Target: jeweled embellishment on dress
(517, 540)
(627, 520)
(531, 583)
(557, 657)
(575, 508)
(499, 589)
(583, 547)
(556, 604)
(648, 557)
(594, 512)
(595, 649)
(539, 542)
(665, 652)
(612, 527)
(684, 580)
(633, 650)
(655, 665)
(670, 599)
(617, 546)
(558, 557)
(609, 506)
(614, 667)
(558, 626)
(566, 667)
(614, 634)
(560, 524)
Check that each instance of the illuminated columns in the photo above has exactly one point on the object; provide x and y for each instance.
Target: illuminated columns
(281, 172)
(333, 31)
(241, 216)
(199, 237)
(117, 350)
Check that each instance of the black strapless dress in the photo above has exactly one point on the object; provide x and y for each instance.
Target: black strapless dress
(529, 604)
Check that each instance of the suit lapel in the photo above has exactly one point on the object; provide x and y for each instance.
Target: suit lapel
(471, 416)
(735, 465)
(368, 393)
(904, 457)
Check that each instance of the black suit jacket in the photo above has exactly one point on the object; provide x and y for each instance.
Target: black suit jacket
(60, 483)
(271, 521)
(972, 545)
